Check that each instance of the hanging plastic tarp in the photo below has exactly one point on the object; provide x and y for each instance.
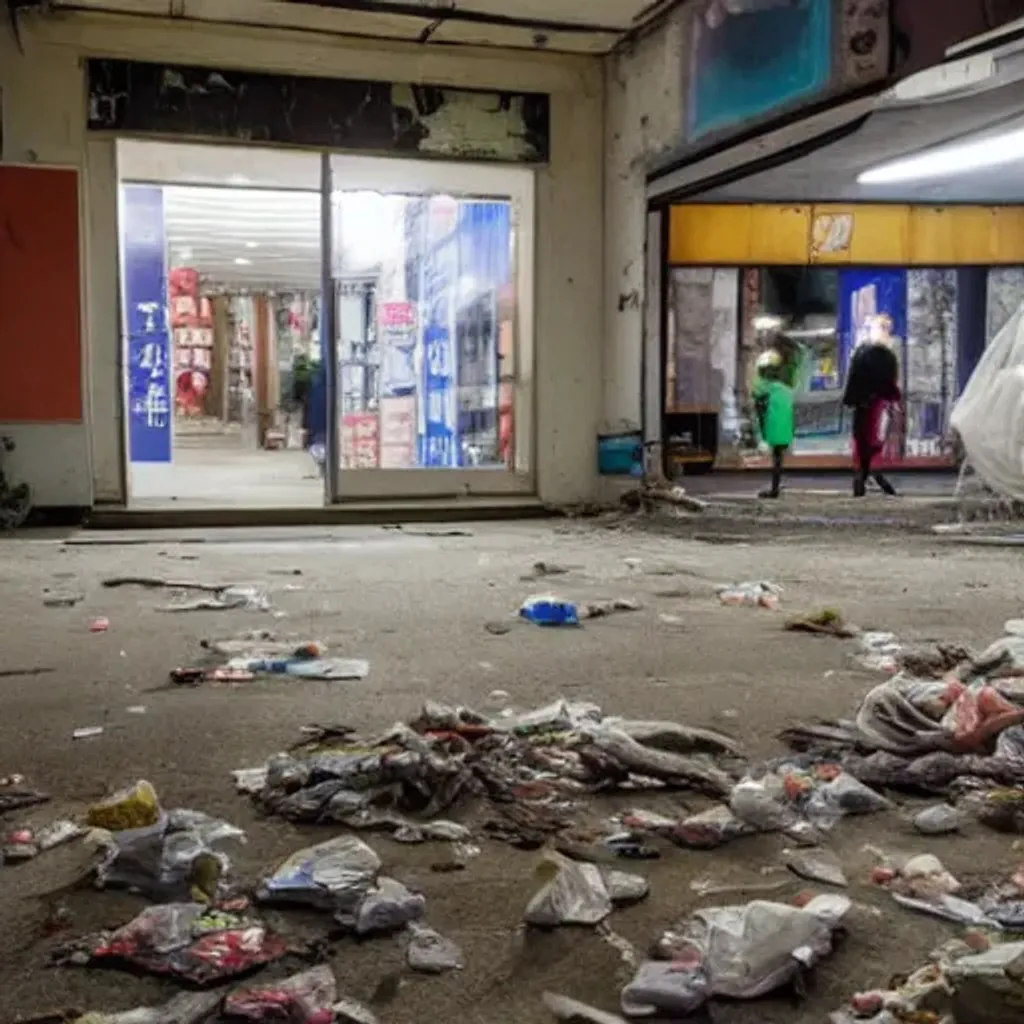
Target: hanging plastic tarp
(989, 415)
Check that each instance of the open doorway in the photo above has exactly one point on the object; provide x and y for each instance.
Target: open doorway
(228, 242)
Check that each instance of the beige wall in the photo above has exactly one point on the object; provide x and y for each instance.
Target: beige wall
(44, 120)
(645, 93)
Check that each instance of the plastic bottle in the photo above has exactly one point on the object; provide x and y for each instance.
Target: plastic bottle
(545, 610)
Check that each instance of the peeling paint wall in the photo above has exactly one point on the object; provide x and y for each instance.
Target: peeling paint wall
(644, 117)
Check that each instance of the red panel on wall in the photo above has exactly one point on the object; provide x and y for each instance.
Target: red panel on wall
(40, 296)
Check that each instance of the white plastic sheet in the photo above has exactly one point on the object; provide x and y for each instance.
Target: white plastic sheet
(989, 415)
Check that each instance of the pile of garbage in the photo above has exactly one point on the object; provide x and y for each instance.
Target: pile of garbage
(529, 770)
(937, 721)
(976, 978)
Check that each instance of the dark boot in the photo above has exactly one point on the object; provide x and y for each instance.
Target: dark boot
(860, 485)
(886, 487)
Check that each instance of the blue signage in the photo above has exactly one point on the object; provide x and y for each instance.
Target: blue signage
(150, 385)
(439, 441)
(872, 303)
(750, 60)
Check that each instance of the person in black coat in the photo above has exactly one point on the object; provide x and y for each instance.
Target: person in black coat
(872, 386)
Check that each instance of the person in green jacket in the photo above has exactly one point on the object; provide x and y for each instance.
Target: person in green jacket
(772, 394)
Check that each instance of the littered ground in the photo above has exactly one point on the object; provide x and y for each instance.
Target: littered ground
(416, 605)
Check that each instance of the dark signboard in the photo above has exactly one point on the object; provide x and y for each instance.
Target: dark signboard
(132, 97)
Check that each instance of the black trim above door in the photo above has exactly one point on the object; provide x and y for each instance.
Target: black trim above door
(133, 97)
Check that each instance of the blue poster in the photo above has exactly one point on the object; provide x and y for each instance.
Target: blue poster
(439, 441)
(750, 61)
(150, 390)
(872, 304)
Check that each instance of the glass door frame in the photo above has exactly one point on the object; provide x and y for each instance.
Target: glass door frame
(514, 184)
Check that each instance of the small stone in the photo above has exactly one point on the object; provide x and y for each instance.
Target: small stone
(939, 820)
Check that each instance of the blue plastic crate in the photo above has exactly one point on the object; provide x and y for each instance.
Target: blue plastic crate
(620, 454)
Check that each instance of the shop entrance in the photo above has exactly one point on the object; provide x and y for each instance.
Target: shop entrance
(301, 329)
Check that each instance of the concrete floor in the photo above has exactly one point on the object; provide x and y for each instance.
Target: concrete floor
(219, 472)
(415, 605)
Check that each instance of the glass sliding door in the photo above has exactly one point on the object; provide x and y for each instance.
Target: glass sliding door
(431, 287)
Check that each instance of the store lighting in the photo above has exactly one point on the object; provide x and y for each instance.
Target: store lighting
(252, 245)
(767, 323)
(961, 158)
(241, 261)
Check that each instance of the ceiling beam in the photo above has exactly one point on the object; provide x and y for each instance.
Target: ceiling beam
(451, 13)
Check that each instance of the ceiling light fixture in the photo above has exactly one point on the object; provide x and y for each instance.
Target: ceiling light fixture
(241, 261)
(252, 245)
(962, 158)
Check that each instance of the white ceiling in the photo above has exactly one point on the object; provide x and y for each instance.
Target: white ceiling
(250, 217)
(895, 130)
(575, 26)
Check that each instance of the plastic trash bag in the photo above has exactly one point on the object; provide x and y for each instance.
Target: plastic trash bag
(387, 907)
(305, 998)
(430, 952)
(187, 1008)
(161, 860)
(739, 952)
(663, 989)
(334, 875)
(577, 894)
(839, 797)
(187, 941)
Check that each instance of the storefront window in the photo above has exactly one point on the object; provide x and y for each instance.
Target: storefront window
(425, 354)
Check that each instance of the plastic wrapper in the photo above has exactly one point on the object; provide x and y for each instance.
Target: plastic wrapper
(1010, 744)
(759, 594)
(739, 952)
(761, 804)
(187, 1008)
(187, 941)
(334, 875)
(430, 952)
(710, 829)
(839, 797)
(387, 907)
(575, 895)
(161, 860)
(135, 807)
(624, 887)
(305, 998)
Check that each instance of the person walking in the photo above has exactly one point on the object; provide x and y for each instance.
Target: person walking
(772, 395)
(873, 393)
